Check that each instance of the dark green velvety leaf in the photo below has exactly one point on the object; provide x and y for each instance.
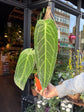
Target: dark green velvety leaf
(24, 68)
(46, 48)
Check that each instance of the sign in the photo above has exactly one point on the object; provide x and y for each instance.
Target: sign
(66, 45)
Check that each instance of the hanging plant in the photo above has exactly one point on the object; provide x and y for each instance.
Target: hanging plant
(46, 48)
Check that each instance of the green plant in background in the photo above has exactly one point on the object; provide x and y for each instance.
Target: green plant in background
(56, 78)
(64, 68)
(61, 64)
(70, 70)
(45, 54)
(48, 105)
(41, 105)
(15, 34)
(42, 13)
(70, 67)
(82, 97)
(54, 104)
(30, 108)
(77, 63)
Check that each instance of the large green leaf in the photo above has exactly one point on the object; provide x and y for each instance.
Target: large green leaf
(24, 68)
(46, 48)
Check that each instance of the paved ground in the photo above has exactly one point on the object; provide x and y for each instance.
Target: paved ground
(10, 95)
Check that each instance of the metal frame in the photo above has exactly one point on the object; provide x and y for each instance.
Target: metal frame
(27, 28)
(27, 44)
(77, 26)
(14, 3)
(52, 6)
(59, 4)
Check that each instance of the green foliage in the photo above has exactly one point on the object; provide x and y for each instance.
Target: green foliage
(82, 96)
(61, 64)
(55, 78)
(41, 109)
(78, 108)
(54, 104)
(48, 105)
(46, 48)
(68, 74)
(41, 105)
(15, 34)
(42, 14)
(24, 67)
(30, 108)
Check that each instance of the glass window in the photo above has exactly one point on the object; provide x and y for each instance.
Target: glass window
(63, 29)
(60, 29)
(68, 22)
(67, 30)
(64, 21)
(61, 20)
(56, 18)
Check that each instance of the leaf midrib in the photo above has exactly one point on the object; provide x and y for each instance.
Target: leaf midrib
(45, 55)
(25, 66)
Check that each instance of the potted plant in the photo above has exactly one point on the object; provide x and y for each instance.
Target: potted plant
(43, 55)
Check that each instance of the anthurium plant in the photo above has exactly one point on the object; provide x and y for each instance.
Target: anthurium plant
(43, 55)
